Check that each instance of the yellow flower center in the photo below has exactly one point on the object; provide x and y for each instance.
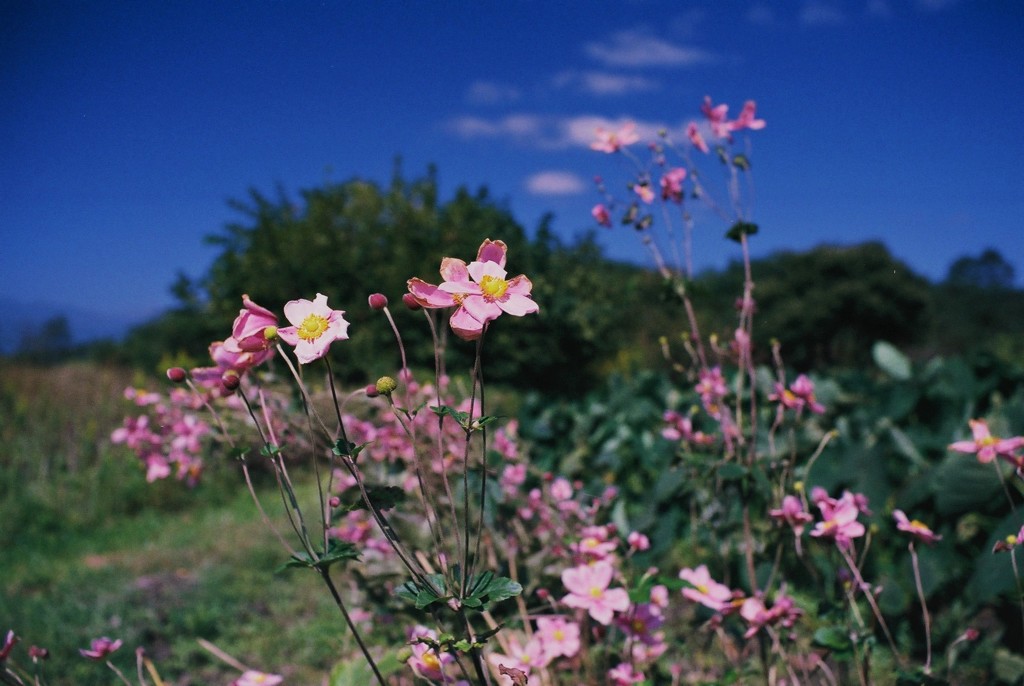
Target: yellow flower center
(639, 627)
(312, 327)
(430, 660)
(918, 525)
(596, 592)
(493, 287)
(559, 635)
(701, 588)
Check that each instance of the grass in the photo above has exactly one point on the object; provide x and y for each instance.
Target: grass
(90, 549)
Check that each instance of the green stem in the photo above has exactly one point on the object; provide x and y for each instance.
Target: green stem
(326, 576)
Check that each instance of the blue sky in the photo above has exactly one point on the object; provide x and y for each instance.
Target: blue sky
(128, 125)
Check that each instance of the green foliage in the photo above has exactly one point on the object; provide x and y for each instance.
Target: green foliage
(352, 239)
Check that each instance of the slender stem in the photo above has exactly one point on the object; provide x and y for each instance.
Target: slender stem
(118, 672)
(326, 576)
(870, 597)
(924, 610)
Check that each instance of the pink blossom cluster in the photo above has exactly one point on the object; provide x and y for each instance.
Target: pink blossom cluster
(798, 396)
(169, 438)
(478, 292)
(715, 124)
(724, 601)
(988, 447)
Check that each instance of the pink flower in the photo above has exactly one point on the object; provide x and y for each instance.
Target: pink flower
(643, 623)
(253, 678)
(644, 192)
(623, 674)
(254, 329)
(672, 184)
(706, 590)
(520, 657)
(425, 661)
(915, 528)
(314, 327)
(558, 636)
(681, 428)
(638, 541)
(479, 291)
(746, 119)
(588, 590)
(601, 215)
(792, 512)
(784, 611)
(799, 395)
(987, 446)
(716, 115)
(840, 520)
(613, 141)
(693, 133)
(8, 644)
(100, 648)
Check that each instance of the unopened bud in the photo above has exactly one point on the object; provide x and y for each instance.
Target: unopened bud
(270, 333)
(386, 385)
(378, 301)
(371, 391)
(410, 301)
(231, 380)
(37, 653)
(404, 654)
(334, 501)
(176, 374)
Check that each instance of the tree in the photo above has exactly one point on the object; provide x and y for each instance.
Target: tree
(826, 306)
(989, 270)
(48, 343)
(351, 239)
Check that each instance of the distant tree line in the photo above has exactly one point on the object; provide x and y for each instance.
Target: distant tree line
(825, 306)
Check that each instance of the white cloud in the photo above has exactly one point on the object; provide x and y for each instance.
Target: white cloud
(555, 183)
(640, 49)
(556, 133)
(816, 13)
(514, 126)
(604, 83)
(491, 93)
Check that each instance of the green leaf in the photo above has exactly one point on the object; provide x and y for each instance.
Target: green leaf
(422, 597)
(382, 497)
(463, 418)
(731, 471)
(343, 448)
(741, 161)
(890, 360)
(337, 551)
(740, 229)
(1008, 667)
(270, 450)
(486, 587)
(834, 638)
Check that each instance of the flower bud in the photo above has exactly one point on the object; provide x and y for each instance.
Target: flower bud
(37, 653)
(176, 374)
(411, 302)
(270, 333)
(386, 385)
(231, 380)
(371, 391)
(334, 501)
(378, 301)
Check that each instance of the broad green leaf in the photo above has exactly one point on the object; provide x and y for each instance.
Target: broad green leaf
(834, 638)
(891, 361)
